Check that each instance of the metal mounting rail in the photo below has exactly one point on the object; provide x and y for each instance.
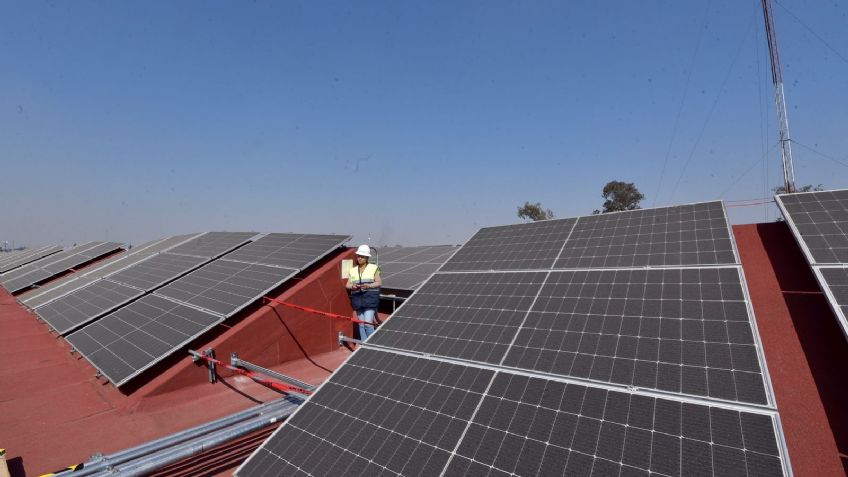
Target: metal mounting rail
(240, 363)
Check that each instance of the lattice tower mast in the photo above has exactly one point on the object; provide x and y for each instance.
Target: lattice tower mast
(779, 98)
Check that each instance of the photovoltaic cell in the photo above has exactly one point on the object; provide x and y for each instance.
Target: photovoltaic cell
(157, 270)
(695, 234)
(224, 286)
(387, 414)
(820, 222)
(85, 304)
(26, 280)
(677, 330)
(134, 338)
(287, 250)
(82, 257)
(835, 280)
(213, 244)
(471, 316)
(513, 247)
(26, 257)
(423, 254)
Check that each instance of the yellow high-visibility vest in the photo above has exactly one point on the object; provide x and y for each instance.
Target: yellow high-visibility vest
(368, 275)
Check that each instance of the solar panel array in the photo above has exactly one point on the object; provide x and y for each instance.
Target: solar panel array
(406, 268)
(819, 221)
(587, 347)
(34, 272)
(62, 286)
(128, 341)
(26, 256)
(88, 303)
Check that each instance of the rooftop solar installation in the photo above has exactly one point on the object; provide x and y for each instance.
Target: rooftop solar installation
(62, 286)
(130, 340)
(157, 270)
(286, 250)
(86, 304)
(213, 244)
(225, 287)
(29, 275)
(406, 268)
(611, 352)
(26, 257)
(819, 221)
(389, 414)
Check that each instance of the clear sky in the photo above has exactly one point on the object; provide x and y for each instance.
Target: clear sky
(409, 122)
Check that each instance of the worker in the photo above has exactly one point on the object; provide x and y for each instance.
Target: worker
(364, 285)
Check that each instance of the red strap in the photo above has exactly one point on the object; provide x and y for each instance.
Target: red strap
(317, 312)
(286, 388)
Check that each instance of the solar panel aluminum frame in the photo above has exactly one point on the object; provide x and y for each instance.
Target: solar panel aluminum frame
(831, 298)
(159, 358)
(772, 413)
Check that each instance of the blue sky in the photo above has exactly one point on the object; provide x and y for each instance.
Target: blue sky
(407, 122)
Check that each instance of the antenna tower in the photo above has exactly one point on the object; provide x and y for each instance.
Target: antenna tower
(779, 98)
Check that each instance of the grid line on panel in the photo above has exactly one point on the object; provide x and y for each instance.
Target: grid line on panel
(287, 250)
(85, 304)
(156, 270)
(212, 244)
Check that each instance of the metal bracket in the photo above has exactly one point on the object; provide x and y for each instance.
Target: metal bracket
(213, 375)
(344, 339)
(240, 363)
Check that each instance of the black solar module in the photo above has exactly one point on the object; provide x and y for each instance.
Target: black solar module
(695, 234)
(157, 270)
(85, 304)
(26, 279)
(389, 414)
(621, 344)
(513, 247)
(130, 340)
(820, 222)
(213, 244)
(26, 257)
(287, 250)
(224, 287)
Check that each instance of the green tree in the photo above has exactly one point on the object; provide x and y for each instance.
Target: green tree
(806, 188)
(620, 196)
(534, 212)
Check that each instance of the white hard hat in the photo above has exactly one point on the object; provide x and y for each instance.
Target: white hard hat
(364, 250)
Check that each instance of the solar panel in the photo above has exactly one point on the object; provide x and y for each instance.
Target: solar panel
(213, 244)
(26, 279)
(134, 338)
(676, 330)
(82, 257)
(62, 286)
(406, 268)
(225, 287)
(820, 223)
(27, 257)
(157, 270)
(287, 250)
(85, 305)
(696, 234)
(513, 247)
(390, 414)
(31, 274)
